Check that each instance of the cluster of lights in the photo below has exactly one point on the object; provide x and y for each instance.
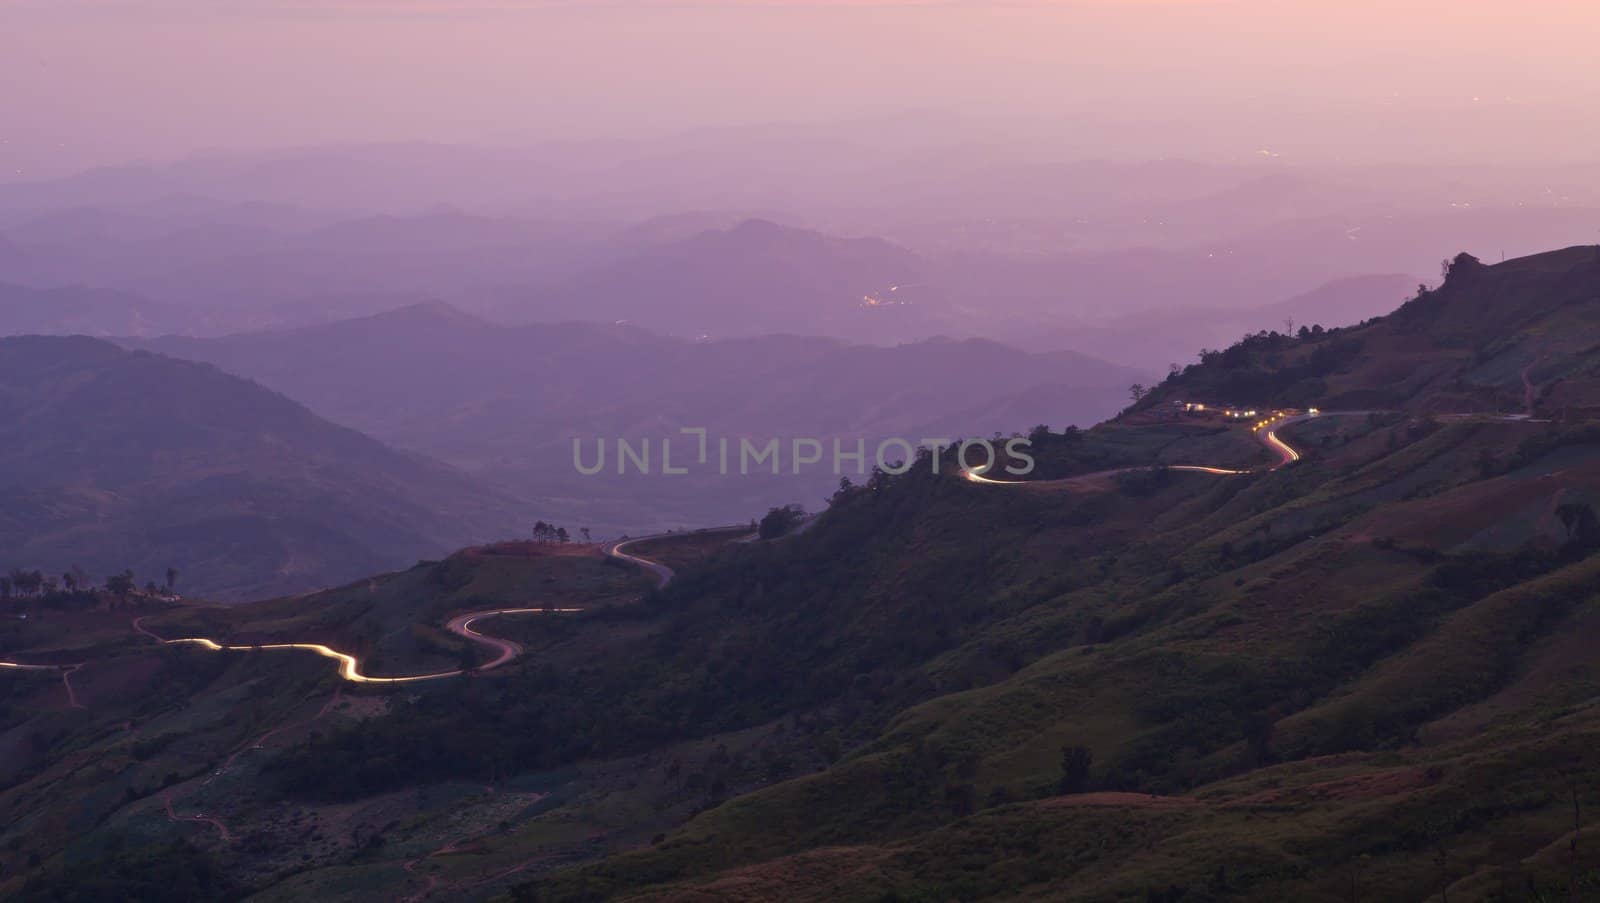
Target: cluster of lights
(1263, 424)
(1196, 407)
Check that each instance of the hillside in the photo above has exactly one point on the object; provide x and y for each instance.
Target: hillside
(1365, 673)
(111, 459)
(1512, 338)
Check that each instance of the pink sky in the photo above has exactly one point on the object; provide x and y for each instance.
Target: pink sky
(95, 81)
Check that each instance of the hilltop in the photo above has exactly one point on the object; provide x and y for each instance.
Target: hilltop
(1511, 338)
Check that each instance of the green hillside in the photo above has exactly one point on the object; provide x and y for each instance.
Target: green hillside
(1365, 675)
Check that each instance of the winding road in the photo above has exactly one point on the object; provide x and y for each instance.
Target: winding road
(350, 666)
(506, 651)
(1266, 432)
(662, 573)
(460, 625)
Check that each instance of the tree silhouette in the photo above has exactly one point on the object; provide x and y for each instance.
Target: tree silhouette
(1075, 762)
(120, 585)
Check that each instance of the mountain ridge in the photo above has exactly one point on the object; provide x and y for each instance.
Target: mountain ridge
(163, 447)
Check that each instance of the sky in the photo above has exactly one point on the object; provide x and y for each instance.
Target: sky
(87, 82)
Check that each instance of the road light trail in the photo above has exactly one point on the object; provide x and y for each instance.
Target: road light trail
(461, 625)
(663, 574)
(350, 666)
(1265, 431)
(1287, 451)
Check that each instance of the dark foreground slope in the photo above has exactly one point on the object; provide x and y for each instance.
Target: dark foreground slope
(112, 459)
(1364, 675)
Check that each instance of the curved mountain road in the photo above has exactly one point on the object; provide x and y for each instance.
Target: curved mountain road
(1266, 434)
(506, 651)
(663, 574)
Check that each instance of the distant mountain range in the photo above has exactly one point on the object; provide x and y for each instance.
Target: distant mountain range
(113, 459)
(756, 278)
(506, 404)
(78, 310)
(706, 241)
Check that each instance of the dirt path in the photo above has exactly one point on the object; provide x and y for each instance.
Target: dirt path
(66, 677)
(260, 742)
(1530, 391)
(217, 823)
(66, 681)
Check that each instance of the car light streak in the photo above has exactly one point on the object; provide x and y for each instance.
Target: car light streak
(350, 667)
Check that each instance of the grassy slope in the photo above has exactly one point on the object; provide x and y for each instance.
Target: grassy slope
(1346, 671)
(89, 785)
(1367, 671)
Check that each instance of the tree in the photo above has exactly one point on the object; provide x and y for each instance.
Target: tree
(1583, 528)
(1137, 392)
(70, 581)
(120, 585)
(779, 521)
(561, 535)
(586, 536)
(1075, 762)
(26, 583)
(172, 579)
(844, 492)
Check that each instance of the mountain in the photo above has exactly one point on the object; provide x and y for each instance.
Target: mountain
(755, 278)
(88, 311)
(113, 459)
(1512, 338)
(507, 404)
